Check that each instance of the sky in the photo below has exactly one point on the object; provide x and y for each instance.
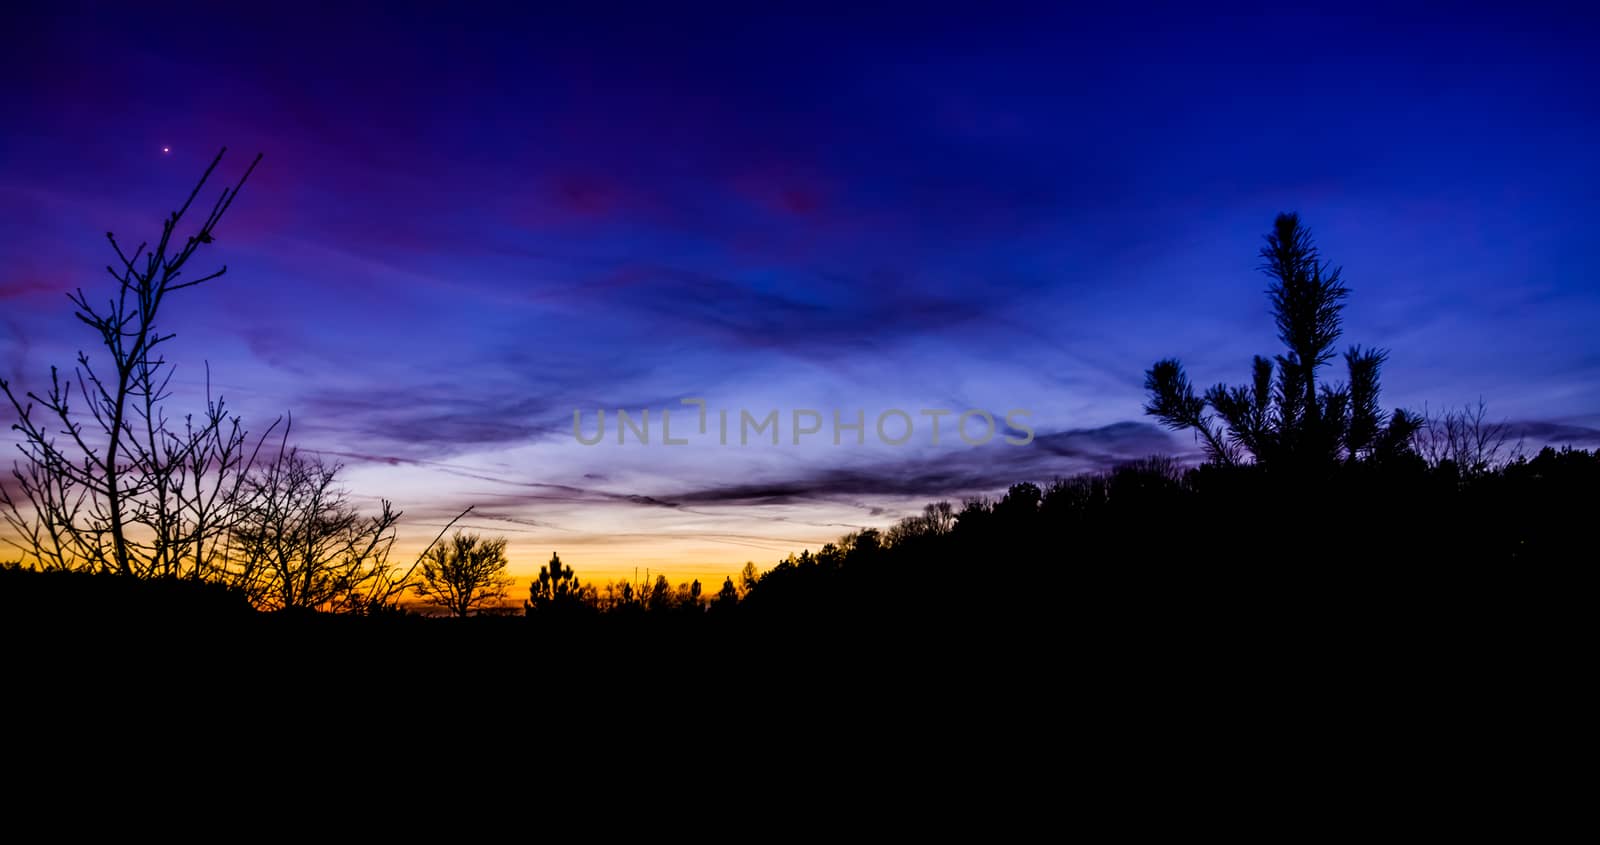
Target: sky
(468, 226)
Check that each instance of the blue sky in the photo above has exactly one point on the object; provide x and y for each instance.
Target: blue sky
(466, 227)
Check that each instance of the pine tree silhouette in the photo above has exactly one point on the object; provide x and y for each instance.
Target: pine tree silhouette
(556, 587)
(1294, 422)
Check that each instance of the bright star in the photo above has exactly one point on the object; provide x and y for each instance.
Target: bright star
(165, 150)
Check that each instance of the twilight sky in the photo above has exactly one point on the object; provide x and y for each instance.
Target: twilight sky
(466, 228)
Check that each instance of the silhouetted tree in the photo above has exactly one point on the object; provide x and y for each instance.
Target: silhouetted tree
(300, 543)
(618, 596)
(749, 576)
(936, 518)
(556, 588)
(107, 484)
(857, 547)
(729, 594)
(467, 572)
(1020, 502)
(687, 598)
(1291, 421)
(1467, 439)
(659, 597)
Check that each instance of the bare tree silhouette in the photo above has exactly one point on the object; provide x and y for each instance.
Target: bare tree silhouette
(300, 543)
(688, 597)
(1291, 421)
(107, 484)
(936, 518)
(1467, 439)
(465, 573)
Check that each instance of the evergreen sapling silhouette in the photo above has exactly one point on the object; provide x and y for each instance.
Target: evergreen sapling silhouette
(1284, 417)
(728, 595)
(556, 588)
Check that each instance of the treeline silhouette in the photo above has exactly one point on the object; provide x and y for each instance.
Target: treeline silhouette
(1152, 526)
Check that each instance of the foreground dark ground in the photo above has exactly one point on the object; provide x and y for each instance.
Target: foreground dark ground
(1144, 590)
